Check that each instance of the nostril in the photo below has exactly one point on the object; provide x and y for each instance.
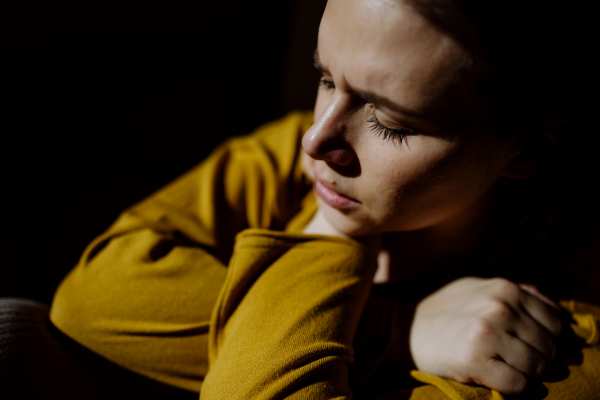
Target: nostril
(351, 169)
(328, 147)
(333, 149)
(341, 157)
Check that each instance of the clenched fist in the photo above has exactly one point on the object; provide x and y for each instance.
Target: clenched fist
(488, 331)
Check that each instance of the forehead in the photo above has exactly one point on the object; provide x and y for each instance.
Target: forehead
(385, 47)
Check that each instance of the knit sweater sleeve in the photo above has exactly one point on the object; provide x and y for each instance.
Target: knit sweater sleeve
(142, 293)
(286, 316)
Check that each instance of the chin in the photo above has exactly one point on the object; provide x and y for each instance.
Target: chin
(349, 224)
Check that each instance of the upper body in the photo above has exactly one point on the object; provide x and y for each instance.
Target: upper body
(150, 293)
(411, 163)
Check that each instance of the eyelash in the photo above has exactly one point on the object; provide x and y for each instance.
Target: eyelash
(327, 84)
(387, 133)
(374, 125)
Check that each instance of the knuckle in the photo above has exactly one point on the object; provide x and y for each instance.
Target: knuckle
(505, 288)
(474, 359)
(489, 365)
(480, 331)
(469, 360)
(492, 375)
(498, 310)
(532, 364)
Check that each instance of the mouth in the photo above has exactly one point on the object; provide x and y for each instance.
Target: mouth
(334, 199)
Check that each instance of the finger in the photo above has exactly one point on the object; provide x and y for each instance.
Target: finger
(521, 356)
(531, 332)
(531, 289)
(544, 314)
(498, 375)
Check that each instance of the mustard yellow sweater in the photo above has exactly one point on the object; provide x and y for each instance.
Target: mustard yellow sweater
(209, 285)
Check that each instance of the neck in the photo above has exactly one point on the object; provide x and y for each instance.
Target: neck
(407, 256)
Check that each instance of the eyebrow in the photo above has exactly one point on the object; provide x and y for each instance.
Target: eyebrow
(317, 62)
(373, 98)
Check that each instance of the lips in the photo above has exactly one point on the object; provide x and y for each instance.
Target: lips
(333, 198)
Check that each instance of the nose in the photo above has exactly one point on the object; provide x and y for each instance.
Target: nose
(326, 140)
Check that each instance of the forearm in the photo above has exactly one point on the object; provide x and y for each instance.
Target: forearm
(285, 320)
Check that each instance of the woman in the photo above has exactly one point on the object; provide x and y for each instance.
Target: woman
(414, 162)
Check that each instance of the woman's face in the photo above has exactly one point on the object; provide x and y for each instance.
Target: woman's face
(386, 150)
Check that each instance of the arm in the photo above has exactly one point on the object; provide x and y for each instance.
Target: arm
(268, 339)
(142, 293)
(285, 320)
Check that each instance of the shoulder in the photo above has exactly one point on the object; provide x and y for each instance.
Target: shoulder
(288, 129)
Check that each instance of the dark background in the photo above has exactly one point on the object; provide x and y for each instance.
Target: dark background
(107, 101)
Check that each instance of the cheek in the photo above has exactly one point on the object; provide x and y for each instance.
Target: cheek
(387, 175)
(400, 175)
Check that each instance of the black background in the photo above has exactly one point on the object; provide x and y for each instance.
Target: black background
(107, 101)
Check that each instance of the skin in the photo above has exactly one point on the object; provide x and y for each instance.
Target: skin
(429, 192)
(434, 179)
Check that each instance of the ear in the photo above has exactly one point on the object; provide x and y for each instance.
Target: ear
(537, 149)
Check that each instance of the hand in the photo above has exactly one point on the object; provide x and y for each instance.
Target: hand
(488, 331)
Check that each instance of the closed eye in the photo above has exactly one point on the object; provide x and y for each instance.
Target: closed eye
(326, 84)
(388, 133)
